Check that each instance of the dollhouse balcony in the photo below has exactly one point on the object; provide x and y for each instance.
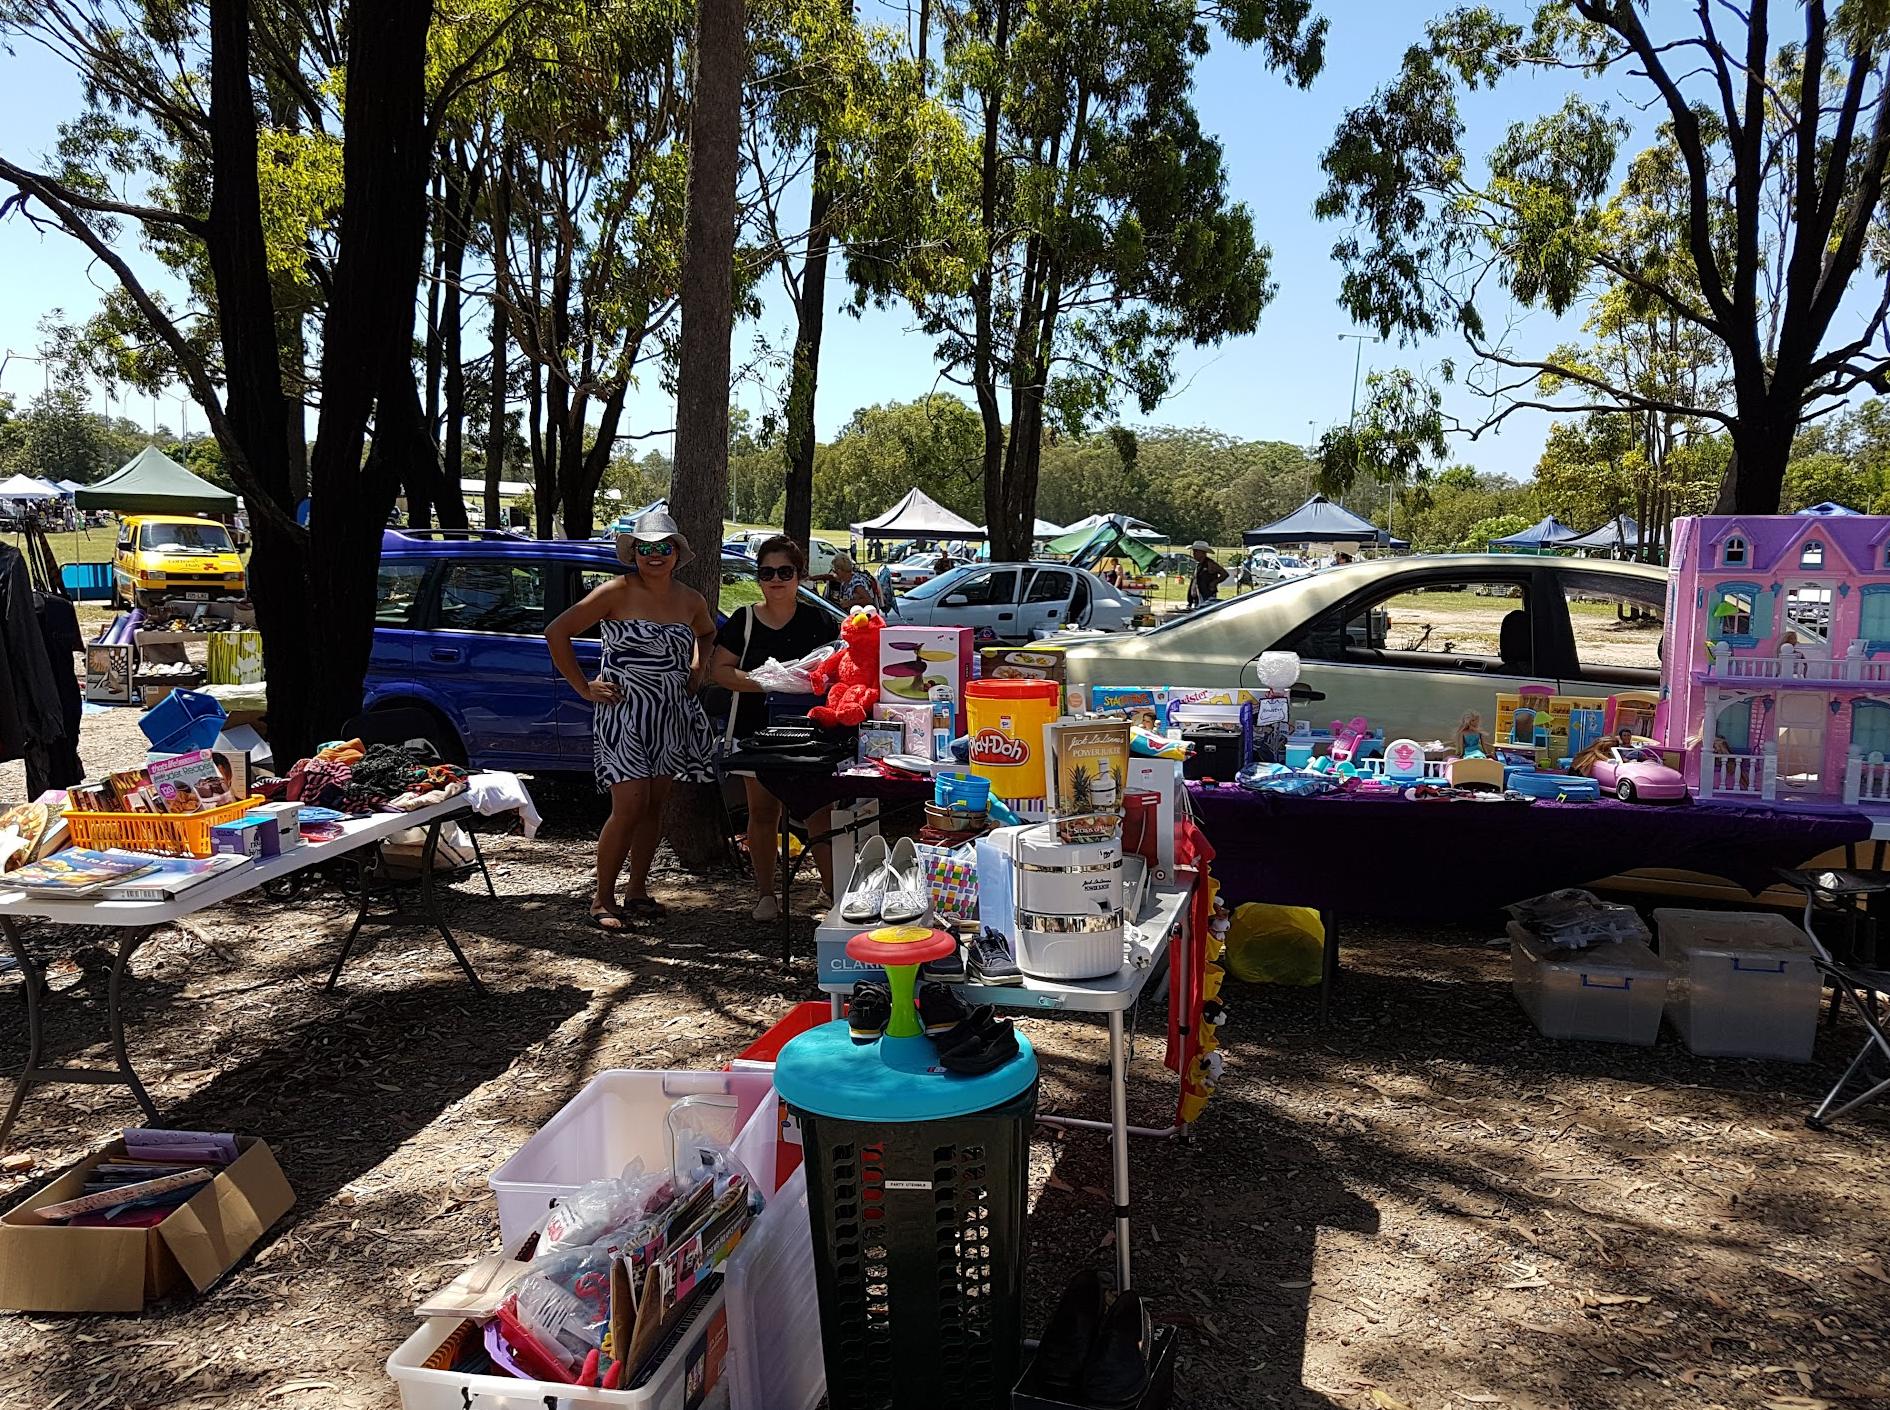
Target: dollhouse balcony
(1806, 670)
(1867, 779)
(1739, 775)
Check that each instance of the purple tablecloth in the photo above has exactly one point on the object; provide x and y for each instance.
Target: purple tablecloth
(807, 791)
(1366, 856)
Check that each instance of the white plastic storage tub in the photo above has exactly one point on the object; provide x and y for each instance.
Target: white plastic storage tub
(1742, 983)
(774, 1349)
(693, 1374)
(623, 1115)
(1608, 993)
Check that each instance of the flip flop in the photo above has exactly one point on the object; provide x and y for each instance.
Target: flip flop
(607, 921)
(644, 908)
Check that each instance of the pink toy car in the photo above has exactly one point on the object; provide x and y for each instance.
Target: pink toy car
(1635, 774)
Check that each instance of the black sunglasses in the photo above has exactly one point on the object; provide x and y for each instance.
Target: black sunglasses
(786, 573)
(662, 548)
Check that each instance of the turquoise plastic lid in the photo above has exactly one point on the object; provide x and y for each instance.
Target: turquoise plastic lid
(825, 1072)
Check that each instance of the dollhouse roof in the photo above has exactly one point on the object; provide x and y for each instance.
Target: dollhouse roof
(1856, 539)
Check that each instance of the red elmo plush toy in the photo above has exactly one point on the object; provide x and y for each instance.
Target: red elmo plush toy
(851, 675)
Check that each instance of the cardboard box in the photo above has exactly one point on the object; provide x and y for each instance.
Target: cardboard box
(242, 838)
(1162, 777)
(287, 818)
(913, 661)
(46, 1267)
(928, 725)
(1145, 705)
(108, 672)
(1039, 663)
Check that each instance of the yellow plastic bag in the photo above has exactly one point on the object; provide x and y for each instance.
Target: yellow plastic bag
(1275, 945)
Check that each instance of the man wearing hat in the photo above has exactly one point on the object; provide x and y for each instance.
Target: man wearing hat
(648, 729)
(1205, 585)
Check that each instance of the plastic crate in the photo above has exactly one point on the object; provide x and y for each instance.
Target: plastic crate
(622, 1116)
(919, 1241)
(166, 834)
(1742, 984)
(182, 721)
(774, 1360)
(692, 1374)
(1608, 993)
(87, 582)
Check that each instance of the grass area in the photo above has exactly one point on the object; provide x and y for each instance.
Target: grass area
(86, 546)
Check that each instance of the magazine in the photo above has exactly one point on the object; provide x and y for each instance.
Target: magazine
(78, 870)
(166, 878)
(190, 783)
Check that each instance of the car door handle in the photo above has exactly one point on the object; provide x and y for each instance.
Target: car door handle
(1472, 665)
(445, 653)
(1004, 616)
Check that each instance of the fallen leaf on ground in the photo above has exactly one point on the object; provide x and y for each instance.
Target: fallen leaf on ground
(1523, 1284)
(1601, 1299)
(1386, 1401)
(1872, 1267)
(291, 1387)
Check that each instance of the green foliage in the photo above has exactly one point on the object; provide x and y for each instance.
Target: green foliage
(57, 438)
(1392, 441)
(1476, 538)
(1446, 517)
(883, 451)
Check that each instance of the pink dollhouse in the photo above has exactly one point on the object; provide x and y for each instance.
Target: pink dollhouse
(1776, 670)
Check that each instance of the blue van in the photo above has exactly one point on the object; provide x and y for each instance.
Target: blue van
(459, 623)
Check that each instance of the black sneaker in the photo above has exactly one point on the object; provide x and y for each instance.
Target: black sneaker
(869, 1011)
(941, 1009)
(1070, 1334)
(950, 970)
(1116, 1372)
(980, 1044)
(991, 959)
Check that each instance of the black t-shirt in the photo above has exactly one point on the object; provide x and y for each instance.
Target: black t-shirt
(808, 628)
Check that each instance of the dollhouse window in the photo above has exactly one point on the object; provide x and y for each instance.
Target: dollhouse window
(1735, 552)
(1811, 557)
(1732, 617)
(1873, 616)
(1870, 727)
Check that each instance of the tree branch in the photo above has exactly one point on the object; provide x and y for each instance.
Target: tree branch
(49, 187)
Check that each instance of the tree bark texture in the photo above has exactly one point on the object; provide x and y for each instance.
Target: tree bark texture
(983, 349)
(367, 337)
(798, 515)
(699, 488)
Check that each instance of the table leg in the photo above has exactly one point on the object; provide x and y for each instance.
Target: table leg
(360, 919)
(786, 870)
(32, 978)
(127, 946)
(1329, 962)
(429, 899)
(1119, 1143)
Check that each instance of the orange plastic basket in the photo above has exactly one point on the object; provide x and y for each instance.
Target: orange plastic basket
(167, 834)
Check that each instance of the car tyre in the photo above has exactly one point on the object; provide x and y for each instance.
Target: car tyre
(1624, 790)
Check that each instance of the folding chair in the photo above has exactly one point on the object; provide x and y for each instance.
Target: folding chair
(1872, 1063)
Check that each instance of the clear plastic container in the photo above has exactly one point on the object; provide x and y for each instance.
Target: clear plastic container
(774, 1351)
(624, 1115)
(1609, 993)
(1742, 983)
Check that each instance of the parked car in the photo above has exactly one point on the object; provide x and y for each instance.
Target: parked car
(1411, 643)
(1637, 774)
(459, 629)
(1017, 601)
(161, 556)
(920, 568)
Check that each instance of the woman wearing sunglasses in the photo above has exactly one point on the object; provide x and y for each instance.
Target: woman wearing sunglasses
(648, 729)
(783, 626)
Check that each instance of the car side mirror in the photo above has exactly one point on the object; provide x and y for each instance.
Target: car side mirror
(957, 599)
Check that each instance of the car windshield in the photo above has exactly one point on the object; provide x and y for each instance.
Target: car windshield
(1637, 756)
(1219, 604)
(932, 587)
(184, 538)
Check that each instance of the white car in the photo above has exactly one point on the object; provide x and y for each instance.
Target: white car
(919, 568)
(1017, 602)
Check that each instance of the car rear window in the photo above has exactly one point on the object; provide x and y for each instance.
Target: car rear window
(398, 590)
(493, 596)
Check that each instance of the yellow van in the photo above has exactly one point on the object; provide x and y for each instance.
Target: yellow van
(168, 556)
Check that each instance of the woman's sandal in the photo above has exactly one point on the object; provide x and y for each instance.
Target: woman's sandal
(644, 908)
(607, 920)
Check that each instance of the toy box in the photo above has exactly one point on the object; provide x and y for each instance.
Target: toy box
(1161, 777)
(914, 661)
(1145, 705)
(241, 838)
(1036, 662)
(928, 726)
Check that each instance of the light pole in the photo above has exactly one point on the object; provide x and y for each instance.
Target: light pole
(45, 368)
(1359, 340)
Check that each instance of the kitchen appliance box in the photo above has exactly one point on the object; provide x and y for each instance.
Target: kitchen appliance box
(1038, 662)
(942, 656)
(48, 1267)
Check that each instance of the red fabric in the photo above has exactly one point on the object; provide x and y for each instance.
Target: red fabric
(1184, 985)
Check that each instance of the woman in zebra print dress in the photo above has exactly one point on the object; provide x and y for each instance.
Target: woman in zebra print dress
(648, 728)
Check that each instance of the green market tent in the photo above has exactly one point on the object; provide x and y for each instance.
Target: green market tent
(152, 483)
(1112, 538)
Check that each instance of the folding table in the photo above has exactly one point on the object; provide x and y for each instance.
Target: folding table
(137, 920)
(1162, 932)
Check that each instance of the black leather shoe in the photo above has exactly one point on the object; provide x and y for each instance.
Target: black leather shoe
(1116, 1373)
(869, 1012)
(1070, 1333)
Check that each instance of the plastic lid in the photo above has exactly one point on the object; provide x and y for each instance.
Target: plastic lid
(900, 944)
(825, 1072)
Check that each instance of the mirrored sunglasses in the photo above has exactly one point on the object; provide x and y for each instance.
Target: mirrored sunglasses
(786, 573)
(660, 549)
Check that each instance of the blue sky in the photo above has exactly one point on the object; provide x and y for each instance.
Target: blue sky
(1287, 381)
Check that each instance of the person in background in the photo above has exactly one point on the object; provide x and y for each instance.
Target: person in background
(942, 565)
(648, 728)
(883, 581)
(783, 626)
(848, 587)
(1339, 560)
(1205, 584)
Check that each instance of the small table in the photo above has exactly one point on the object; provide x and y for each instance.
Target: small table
(1161, 933)
(137, 920)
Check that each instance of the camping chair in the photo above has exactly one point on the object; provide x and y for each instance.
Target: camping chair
(1850, 982)
(1855, 894)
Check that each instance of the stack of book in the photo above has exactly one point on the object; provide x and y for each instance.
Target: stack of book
(158, 1171)
(118, 875)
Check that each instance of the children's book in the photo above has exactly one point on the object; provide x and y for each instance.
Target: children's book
(78, 871)
(168, 878)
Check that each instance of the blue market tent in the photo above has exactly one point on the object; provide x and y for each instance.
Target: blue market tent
(1618, 534)
(1548, 532)
(1318, 520)
(1826, 510)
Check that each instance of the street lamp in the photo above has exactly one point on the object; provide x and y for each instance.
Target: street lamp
(44, 367)
(1359, 340)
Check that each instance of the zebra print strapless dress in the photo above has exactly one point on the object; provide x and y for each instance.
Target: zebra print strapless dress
(658, 729)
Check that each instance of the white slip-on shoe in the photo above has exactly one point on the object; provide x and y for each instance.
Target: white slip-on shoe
(868, 885)
(908, 899)
(767, 908)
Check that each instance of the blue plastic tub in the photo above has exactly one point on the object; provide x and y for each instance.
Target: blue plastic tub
(182, 721)
(87, 582)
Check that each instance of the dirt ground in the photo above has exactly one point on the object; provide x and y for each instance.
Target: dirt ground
(1417, 1204)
